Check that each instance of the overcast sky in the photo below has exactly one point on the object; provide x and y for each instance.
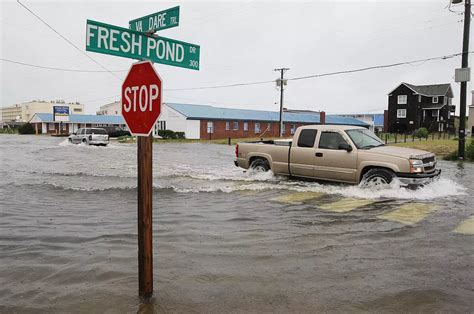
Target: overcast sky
(240, 42)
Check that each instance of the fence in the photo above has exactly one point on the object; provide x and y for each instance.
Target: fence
(404, 137)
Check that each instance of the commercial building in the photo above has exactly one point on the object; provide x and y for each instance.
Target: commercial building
(25, 111)
(114, 108)
(414, 106)
(44, 122)
(208, 122)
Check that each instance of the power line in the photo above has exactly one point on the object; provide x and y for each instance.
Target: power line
(376, 67)
(67, 40)
(58, 69)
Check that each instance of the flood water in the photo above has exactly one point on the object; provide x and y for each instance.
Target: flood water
(224, 240)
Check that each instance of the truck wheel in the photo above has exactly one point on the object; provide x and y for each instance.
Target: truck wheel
(84, 141)
(259, 165)
(377, 177)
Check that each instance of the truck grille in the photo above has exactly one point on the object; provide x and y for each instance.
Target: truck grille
(429, 164)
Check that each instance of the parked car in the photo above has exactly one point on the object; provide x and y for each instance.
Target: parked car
(115, 131)
(90, 136)
(339, 153)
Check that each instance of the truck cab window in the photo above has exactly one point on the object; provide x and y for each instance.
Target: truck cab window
(306, 138)
(331, 140)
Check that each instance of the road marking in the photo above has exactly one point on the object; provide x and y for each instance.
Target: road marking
(410, 213)
(466, 227)
(345, 205)
(297, 198)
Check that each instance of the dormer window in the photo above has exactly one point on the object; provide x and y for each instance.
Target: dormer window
(435, 99)
(402, 99)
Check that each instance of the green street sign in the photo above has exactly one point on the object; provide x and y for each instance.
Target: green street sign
(157, 21)
(123, 42)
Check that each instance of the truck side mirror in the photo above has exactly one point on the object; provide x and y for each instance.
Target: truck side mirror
(345, 146)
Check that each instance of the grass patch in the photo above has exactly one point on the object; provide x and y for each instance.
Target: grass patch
(446, 148)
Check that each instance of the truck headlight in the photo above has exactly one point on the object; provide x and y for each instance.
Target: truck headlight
(416, 165)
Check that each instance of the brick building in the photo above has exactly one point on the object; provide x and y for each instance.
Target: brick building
(207, 122)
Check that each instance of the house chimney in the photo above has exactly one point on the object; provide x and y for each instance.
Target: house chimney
(322, 117)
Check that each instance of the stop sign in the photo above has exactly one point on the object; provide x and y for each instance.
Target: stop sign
(141, 98)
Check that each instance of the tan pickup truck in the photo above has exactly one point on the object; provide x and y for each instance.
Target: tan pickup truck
(338, 153)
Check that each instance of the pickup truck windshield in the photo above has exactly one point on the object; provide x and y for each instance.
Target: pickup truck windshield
(364, 138)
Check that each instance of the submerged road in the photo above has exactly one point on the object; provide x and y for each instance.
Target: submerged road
(224, 240)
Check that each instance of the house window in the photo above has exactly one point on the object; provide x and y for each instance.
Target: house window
(292, 129)
(210, 127)
(435, 100)
(51, 126)
(449, 101)
(269, 126)
(434, 113)
(236, 125)
(64, 126)
(419, 98)
(401, 113)
(282, 128)
(257, 127)
(402, 99)
(227, 125)
(246, 126)
(77, 110)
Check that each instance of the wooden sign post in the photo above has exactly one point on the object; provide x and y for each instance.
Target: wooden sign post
(145, 217)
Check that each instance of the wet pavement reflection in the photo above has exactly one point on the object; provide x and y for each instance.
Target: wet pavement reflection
(224, 240)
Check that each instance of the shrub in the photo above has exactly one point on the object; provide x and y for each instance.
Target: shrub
(167, 134)
(26, 128)
(421, 133)
(180, 135)
(470, 151)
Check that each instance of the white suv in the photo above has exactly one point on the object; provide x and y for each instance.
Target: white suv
(90, 136)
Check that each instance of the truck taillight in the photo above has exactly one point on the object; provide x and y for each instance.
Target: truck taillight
(237, 150)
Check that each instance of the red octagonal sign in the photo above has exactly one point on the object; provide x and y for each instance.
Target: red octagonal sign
(141, 98)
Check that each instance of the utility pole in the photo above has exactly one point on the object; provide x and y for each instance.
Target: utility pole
(464, 64)
(281, 82)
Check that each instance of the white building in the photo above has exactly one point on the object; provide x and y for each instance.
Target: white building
(112, 109)
(25, 111)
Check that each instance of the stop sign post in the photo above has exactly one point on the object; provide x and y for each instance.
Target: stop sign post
(141, 108)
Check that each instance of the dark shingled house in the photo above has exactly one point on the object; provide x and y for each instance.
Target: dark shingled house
(414, 106)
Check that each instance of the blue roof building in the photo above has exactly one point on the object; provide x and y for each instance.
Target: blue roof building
(44, 122)
(205, 122)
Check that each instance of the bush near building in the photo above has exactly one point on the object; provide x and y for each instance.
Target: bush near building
(422, 133)
(26, 128)
(169, 134)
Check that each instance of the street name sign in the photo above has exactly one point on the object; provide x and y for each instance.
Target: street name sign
(123, 42)
(141, 98)
(157, 21)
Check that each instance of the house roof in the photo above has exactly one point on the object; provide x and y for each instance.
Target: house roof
(430, 90)
(80, 118)
(198, 112)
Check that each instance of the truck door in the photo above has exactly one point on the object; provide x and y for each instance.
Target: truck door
(302, 156)
(333, 163)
